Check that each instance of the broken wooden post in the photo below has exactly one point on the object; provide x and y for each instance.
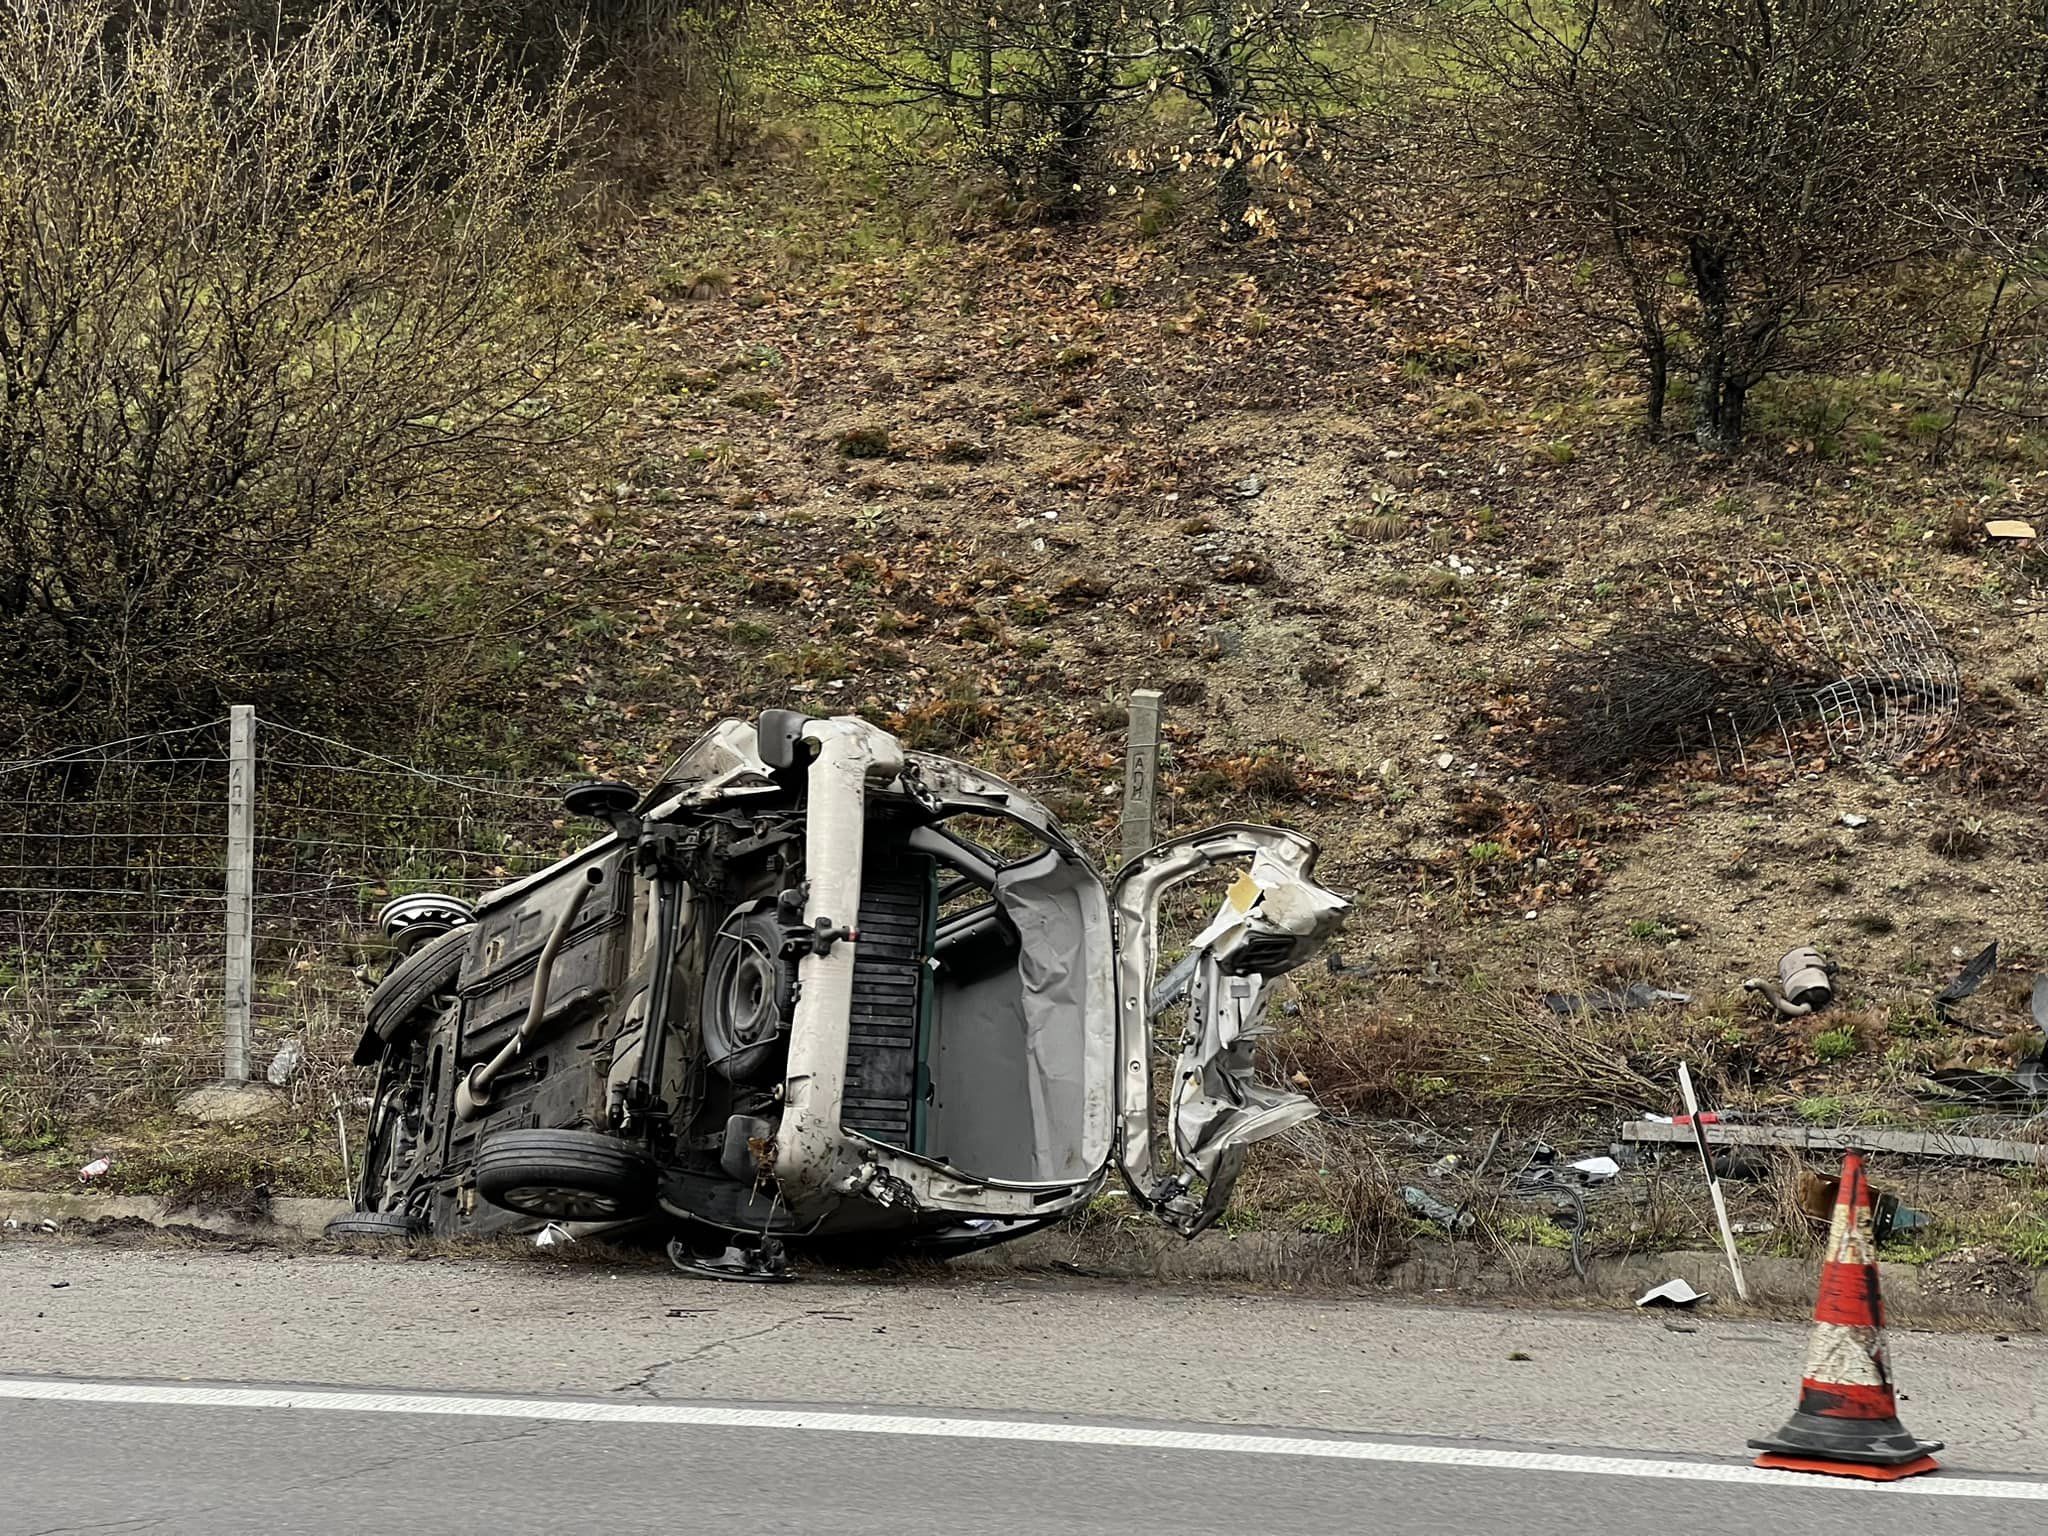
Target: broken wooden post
(1141, 773)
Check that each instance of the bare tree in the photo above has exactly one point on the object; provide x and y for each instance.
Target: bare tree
(284, 332)
(1036, 89)
(1759, 157)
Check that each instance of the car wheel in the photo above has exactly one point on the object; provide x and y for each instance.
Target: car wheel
(379, 1225)
(410, 992)
(565, 1175)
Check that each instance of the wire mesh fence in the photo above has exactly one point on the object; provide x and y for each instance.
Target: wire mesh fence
(114, 903)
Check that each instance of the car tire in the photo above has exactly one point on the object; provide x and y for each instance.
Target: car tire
(382, 1226)
(414, 983)
(565, 1175)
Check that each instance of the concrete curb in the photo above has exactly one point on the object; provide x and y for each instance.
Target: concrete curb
(1993, 1298)
(284, 1215)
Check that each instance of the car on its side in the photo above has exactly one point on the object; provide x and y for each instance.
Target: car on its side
(813, 985)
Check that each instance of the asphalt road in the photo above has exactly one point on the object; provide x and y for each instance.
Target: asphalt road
(630, 1399)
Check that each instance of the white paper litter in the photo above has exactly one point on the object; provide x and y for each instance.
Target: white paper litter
(1673, 1293)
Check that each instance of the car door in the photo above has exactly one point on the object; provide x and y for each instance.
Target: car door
(1274, 917)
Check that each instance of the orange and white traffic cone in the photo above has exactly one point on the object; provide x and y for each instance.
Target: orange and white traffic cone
(1847, 1422)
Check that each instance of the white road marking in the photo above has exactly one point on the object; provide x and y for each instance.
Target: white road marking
(1207, 1442)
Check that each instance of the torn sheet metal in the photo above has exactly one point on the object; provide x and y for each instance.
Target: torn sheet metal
(1971, 977)
(1271, 920)
(1611, 1000)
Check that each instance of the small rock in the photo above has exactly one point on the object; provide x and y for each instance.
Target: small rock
(1444, 759)
(223, 1103)
(58, 1285)
(1851, 819)
(1250, 486)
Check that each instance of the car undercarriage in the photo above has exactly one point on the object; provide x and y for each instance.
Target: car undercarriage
(813, 986)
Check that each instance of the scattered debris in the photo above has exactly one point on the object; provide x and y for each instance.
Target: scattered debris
(2025, 1085)
(553, 1235)
(1699, 1136)
(1741, 1164)
(2008, 528)
(1251, 486)
(1673, 1293)
(1967, 981)
(1852, 821)
(1820, 1138)
(764, 1261)
(1429, 1208)
(1806, 983)
(1597, 1170)
(1446, 1165)
(95, 1168)
(1606, 1000)
(1888, 1218)
(1815, 1194)
(285, 1065)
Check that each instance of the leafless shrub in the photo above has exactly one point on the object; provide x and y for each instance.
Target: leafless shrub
(1537, 1061)
(285, 335)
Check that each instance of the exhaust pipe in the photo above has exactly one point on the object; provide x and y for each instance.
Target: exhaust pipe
(473, 1094)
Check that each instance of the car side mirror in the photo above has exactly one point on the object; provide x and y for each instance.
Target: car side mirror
(779, 738)
(607, 801)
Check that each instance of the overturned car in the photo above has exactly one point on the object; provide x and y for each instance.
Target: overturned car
(816, 986)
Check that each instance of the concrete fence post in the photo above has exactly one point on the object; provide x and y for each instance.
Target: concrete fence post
(1141, 774)
(239, 998)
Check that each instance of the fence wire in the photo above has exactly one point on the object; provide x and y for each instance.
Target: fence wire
(113, 904)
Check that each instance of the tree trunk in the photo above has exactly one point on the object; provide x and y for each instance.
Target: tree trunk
(1657, 367)
(1710, 284)
(1234, 200)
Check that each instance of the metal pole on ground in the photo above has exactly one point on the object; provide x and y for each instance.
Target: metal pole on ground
(239, 996)
(1141, 773)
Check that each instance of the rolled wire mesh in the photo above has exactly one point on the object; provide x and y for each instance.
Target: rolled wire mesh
(1728, 659)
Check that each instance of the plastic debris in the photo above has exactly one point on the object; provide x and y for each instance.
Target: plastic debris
(1597, 1170)
(553, 1235)
(284, 1066)
(1673, 1293)
(1888, 1218)
(95, 1168)
(1445, 1166)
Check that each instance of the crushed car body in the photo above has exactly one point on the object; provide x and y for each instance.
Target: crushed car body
(813, 985)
